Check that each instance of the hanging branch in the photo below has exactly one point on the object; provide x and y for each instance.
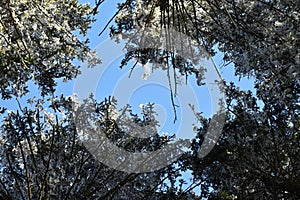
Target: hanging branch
(112, 18)
(95, 9)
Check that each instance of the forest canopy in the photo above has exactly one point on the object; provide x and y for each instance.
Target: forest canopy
(44, 156)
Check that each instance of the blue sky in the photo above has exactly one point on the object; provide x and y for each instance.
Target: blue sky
(151, 92)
